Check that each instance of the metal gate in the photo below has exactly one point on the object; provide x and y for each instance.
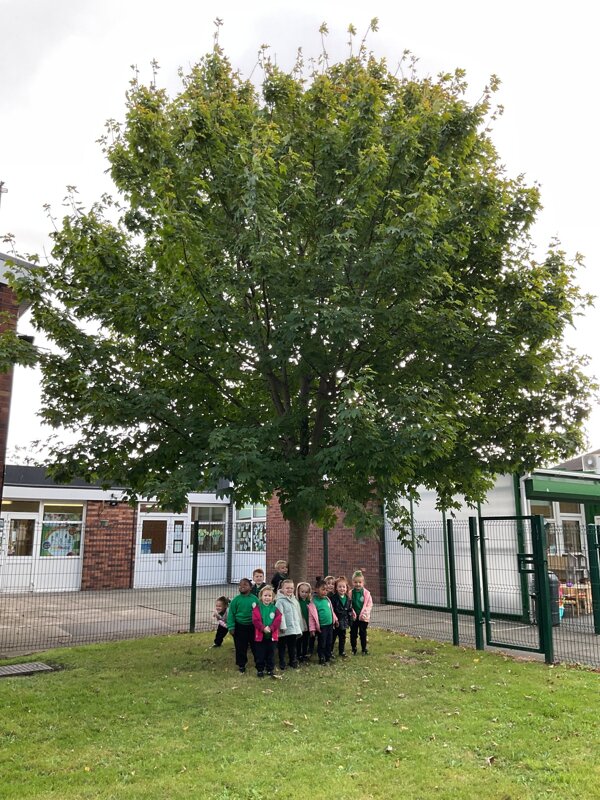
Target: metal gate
(517, 610)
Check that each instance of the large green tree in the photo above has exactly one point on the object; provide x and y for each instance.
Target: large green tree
(324, 287)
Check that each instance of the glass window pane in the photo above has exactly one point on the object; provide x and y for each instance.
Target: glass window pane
(571, 536)
(551, 539)
(154, 508)
(244, 513)
(21, 506)
(259, 537)
(260, 511)
(218, 513)
(60, 539)
(70, 512)
(211, 538)
(20, 537)
(154, 536)
(243, 534)
(201, 513)
(569, 508)
(542, 507)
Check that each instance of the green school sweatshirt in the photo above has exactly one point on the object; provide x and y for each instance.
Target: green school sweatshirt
(240, 610)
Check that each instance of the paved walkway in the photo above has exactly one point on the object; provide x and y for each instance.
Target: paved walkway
(31, 622)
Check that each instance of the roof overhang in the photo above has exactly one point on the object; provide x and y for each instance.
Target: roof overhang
(9, 264)
(568, 486)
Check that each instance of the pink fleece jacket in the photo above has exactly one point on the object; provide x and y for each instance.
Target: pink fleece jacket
(313, 617)
(259, 626)
(365, 614)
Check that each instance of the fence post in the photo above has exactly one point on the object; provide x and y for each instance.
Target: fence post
(477, 613)
(452, 578)
(538, 532)
(521, 548)
(194, 588)
(593, 546)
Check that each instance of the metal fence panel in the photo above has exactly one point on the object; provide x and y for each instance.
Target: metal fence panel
(127, 582)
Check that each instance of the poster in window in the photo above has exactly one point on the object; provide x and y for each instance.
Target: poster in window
(243, 537)
(60, 540)
(259, 537)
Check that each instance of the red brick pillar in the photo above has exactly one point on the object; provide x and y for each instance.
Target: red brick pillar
(109, 549)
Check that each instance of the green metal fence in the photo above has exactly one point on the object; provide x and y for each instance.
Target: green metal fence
(504, 583)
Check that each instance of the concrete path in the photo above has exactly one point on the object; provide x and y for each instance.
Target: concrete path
(31, 622)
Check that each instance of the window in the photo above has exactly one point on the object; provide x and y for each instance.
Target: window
(154, 508)
(251, 529)
(61, 529)
(569, 508)
(20, 537)
(211, 528)
(20, 506)
(542, 507)
(571, 536)
(154, 537)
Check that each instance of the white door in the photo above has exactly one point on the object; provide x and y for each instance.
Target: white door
(18, 541)
(162, 553)
(180, 557)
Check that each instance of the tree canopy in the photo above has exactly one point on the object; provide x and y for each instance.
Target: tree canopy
(323, 287)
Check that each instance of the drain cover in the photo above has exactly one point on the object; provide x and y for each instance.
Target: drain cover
(24, 669)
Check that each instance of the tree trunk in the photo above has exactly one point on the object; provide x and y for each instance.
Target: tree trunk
(298, 548)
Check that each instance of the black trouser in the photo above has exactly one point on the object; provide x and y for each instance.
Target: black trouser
(220, 635)
(302, 646)
(325, 643)
(243, 636)
(264, 654)
(287, 643)
(340, 635)
(358, 628)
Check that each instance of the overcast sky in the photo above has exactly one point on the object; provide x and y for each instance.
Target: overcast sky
(65, 67)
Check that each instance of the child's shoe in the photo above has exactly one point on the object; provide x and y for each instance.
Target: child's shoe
(365, 652)
(242, 669)
(354, 651)
(260, 674)
(322, 662)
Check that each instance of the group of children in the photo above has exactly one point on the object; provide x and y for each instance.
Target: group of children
(285, 620)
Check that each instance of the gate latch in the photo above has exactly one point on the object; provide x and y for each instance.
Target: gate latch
(526, 563)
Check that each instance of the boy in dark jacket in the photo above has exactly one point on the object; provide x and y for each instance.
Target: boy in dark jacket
(281, 573)
(258, 581)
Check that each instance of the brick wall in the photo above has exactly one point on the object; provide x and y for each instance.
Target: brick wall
(346, 552)
(109, 546)
(8, 303)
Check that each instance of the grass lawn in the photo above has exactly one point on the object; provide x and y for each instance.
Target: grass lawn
(169, 718)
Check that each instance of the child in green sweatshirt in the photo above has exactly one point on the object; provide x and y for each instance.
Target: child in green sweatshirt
(239, 622)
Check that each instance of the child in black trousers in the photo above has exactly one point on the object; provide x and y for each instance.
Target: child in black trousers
(239, 622)
(342, 605)
(220, 615)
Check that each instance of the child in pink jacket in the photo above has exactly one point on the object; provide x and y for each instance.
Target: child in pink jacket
(266, 618)
(362, 604)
